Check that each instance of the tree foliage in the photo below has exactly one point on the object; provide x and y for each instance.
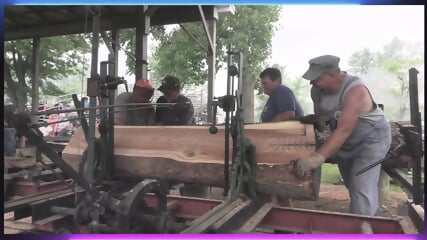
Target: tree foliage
(396, 58)
(59, 56)
(250, 30)
(363, 60)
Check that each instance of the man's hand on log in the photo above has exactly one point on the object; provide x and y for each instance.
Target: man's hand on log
(318, 123)
(302, 167)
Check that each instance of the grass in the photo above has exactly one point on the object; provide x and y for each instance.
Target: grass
(330, 173)
(25, 152)
(395, 188)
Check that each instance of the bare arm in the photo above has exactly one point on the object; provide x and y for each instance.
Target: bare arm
(21, 142)
(284, 116)
(353, 107)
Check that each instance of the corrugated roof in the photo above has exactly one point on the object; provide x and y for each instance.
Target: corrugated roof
(22, 22)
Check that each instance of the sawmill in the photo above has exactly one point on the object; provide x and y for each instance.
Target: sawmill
(112, 179)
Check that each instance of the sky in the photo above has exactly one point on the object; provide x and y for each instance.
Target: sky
(309, 31)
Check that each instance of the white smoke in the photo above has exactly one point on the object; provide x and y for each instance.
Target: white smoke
(381, 83)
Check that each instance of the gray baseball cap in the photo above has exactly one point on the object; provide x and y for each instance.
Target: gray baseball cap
(321, 65)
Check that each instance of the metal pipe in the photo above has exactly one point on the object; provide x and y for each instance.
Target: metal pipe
(83, 121)
(110, 147)
(109, 106)
(96, 20)
(84, 117)
(415, 137)
(373, 165)
(227, 132)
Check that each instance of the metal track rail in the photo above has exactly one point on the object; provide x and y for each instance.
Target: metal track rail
(26, 201)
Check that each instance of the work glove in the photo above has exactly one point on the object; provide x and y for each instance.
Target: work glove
(318, 123)
(303, 166)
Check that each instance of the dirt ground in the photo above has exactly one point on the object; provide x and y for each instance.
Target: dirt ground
(335, 198)
(332, 198)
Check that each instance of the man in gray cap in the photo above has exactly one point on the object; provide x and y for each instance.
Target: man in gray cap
(360, 135)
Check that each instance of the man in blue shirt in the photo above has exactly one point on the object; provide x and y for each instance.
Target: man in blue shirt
(282, 104)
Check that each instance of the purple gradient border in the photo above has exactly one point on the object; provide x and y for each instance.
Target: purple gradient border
(206, 236)
(213, 236)
(243, 236)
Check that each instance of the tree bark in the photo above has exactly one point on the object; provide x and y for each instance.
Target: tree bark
(21, 89)
(189, 154)
(11, 90)
(35, 78)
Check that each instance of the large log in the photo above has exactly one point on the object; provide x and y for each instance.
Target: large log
(189, 154)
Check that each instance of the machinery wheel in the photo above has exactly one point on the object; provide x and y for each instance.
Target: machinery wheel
(65, 226)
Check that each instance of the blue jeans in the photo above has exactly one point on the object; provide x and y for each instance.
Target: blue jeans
(363, 189)
(9, 142)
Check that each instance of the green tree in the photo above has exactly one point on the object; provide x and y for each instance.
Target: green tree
(250, 31)
(363, 60)
(396, 58)
(59, 58)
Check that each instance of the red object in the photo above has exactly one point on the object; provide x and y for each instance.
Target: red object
(144, 83)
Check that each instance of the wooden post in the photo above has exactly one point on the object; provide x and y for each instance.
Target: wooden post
(36, 78)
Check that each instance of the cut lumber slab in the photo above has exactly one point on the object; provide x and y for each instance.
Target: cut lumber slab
(190, 154)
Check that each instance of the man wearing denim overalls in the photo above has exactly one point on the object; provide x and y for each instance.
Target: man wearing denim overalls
(360, 135)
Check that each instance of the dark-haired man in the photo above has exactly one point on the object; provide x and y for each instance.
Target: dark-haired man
(281, 104)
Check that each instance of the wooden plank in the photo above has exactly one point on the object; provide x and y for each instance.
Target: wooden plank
(189, 154)
(21, 226)
(17, 162)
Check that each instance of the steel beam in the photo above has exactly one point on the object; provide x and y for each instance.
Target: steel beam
(415, 137)
(285, 219)
(416, 214)
(211, 60)
(113, 58)
(211, 47)
(17, 203)
(96, 20)
(256, 219)
(413, 98)
(201, 224)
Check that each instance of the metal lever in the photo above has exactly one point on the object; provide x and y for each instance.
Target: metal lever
(213, 129)
(373, 165)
